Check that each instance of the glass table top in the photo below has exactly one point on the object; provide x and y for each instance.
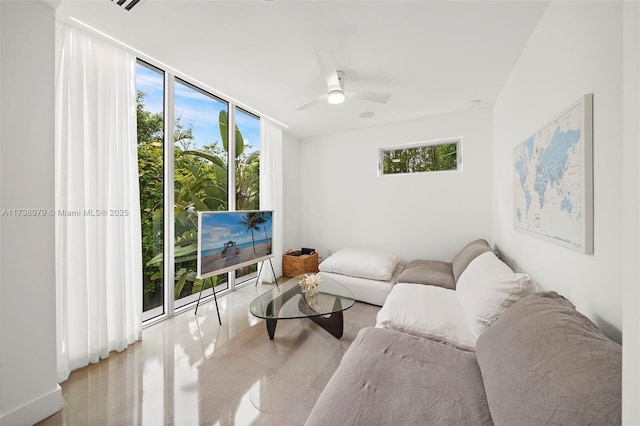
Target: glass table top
(288, 301)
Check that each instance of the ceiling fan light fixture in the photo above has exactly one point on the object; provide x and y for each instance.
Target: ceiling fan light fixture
(336, 97)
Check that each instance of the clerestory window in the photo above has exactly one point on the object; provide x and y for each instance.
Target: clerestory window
(421, 157)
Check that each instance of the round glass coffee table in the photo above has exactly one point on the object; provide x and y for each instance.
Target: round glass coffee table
(289, 302)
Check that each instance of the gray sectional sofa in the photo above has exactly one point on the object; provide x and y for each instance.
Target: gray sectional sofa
(539, 362)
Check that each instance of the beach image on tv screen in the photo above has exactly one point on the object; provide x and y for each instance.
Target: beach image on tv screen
(231, 240)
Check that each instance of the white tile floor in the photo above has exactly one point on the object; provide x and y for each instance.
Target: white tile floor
(190, 371)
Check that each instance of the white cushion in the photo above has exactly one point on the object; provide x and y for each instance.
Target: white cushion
(487, 288)
(427, 311)
(363, 263)
(365, 290)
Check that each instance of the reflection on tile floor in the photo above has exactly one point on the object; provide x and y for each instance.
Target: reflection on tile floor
(189, 370)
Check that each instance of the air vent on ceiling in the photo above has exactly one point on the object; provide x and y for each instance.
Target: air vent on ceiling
(127, 4)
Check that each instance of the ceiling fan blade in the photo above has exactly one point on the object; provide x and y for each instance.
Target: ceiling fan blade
(381, 98)
(329, 71)
(319, 100)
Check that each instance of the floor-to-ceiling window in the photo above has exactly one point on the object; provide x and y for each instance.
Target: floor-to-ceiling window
(189, 169)
(150, 82)
(200, 180)
(247, 176)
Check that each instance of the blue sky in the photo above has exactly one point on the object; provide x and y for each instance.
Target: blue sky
(195, 108)
(220, 227)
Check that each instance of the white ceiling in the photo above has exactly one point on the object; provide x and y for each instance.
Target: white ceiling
(432, 56)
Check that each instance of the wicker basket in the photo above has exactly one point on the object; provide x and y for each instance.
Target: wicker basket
(292, 266)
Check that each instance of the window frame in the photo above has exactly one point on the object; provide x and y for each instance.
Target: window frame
(148, 316)
(170, 76)
(438, 142)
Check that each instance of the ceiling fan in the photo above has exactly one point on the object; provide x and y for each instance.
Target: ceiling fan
(335, 86)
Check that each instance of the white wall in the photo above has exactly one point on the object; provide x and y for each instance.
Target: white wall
(28, 388)
(291, 191)
(575, 49)
(631, 209)
(343, 202)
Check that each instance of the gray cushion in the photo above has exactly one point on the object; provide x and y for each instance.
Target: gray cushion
(543, 362)
(391, 378)
(466, 255)
(430, 272)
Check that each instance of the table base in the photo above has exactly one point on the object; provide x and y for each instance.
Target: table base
(334, 323)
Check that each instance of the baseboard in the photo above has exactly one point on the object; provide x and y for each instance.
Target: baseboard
(36, 410)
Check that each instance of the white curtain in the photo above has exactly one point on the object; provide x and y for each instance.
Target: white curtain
(271, 190)
(98, 233)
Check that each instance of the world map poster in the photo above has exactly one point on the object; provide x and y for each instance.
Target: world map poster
(553, 179)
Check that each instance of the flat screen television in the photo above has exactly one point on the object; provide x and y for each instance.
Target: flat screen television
(231, 240)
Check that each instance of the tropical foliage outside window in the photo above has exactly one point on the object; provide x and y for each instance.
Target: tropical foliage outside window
(200, 181)
(150, 123)
(427, 157)
(247, 174)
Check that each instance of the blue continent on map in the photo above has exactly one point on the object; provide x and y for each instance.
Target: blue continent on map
(553, 160)
(566, 205)
(529, 145)
(522, 167)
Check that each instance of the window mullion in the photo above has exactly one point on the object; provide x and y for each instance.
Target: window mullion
(231, 175)
(231, 127)
(169, 211)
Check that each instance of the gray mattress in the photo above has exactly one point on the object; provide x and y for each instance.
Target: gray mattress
(392, 378)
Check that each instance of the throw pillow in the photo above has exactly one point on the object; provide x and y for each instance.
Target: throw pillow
(487, 287)
(427, 311)
(429, 272)
(466, 256)
(363, 263)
